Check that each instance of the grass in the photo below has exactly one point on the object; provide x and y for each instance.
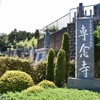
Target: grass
(54, 94)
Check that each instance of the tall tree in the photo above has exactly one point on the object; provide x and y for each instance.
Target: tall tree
(11, 37)
(37, 35)
(50, 66)
(65, 45)
(3, 42)
(66, 48)
(60, 68)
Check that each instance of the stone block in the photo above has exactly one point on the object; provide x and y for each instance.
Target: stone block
(87, 84)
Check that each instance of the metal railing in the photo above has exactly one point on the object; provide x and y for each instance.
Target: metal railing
(58, 24)
(71, 17)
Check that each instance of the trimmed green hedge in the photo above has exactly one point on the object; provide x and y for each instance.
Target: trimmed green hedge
(10, 63)
(47, 84)
(15, 81)
(37, 72)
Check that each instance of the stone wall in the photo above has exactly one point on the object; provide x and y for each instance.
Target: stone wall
(71, 32)
(40, 43)
(55, 40)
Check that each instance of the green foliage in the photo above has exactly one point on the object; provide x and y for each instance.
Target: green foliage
(3, 42)
(54, 94)
(97, 32)
(37, 34)
(20, 44)
(97, 43)
(97, 69)
(16, 36)
(32, 42)
(97, 52)
(28, 43)
(60, 69)
(11, 37)
(71, 71)
(15, 81)
(47, 84)
(52, 28)
(10, 63)
(65, 46)
(39, 72)
(34, 89)
(50, 66)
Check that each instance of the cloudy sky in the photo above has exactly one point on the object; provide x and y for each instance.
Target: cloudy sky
(30, 15)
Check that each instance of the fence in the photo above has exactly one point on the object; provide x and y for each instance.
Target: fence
(81, 11)
(58, 24)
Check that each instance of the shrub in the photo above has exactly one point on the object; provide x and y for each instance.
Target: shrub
(39, 71)
(97, 69)
(97, 52)
(15, 81)
(65, 46)
(10, 63)
(97, 44)
(60, 69)
(50, 66)
(47, 84)
(34, 89)
(71, 71)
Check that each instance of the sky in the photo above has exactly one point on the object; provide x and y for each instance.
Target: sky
(30, 15)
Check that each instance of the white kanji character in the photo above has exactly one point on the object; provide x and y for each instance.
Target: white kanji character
(84, 69)
(83, 51)
(83, 32)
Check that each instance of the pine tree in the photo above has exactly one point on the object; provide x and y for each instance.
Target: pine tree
(50, 66)
(65, 46)
(37, 34)
(60, 68)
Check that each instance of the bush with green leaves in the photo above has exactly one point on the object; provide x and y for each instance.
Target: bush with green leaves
(15, 81)
(60, 68)
(11, 63)
(28, 43)
(97, 52)
(39, 71)
(34, 89)
(97, 69)
(65, 46)
(47, 84)
(50, 65)
(71, 71)
(97, 44)
(54, 94)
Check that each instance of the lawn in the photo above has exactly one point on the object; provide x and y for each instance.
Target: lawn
(54, 94)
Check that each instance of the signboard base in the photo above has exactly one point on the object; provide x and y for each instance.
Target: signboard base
(84, 84)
